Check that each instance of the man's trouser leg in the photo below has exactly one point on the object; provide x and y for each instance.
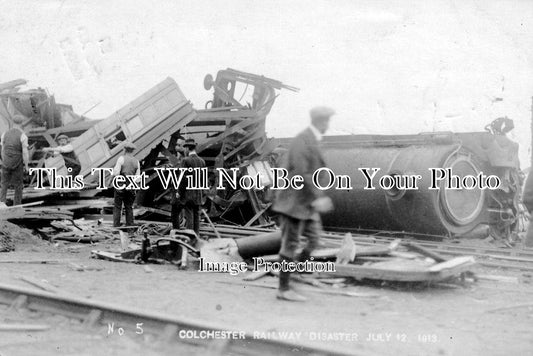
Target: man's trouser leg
(189, 216)
(117, 207)
(284, 276)
(196, 219)
(311, 230)
(289, 243)
(17, 179)
(192, 218)
(129, 199)
(5, 185)
(175, 210)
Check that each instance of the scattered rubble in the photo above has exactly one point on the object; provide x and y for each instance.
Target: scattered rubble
(230, 132)
(10, 234)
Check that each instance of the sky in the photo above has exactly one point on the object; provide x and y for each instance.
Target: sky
(386, 67)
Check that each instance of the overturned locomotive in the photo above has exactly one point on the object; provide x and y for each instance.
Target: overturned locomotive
(428, 209)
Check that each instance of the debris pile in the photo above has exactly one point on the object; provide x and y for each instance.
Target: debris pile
(230, 134)
(252, 253)
(79, 230)
(10, 234)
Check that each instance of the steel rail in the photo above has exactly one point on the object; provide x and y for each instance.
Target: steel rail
(93, 313)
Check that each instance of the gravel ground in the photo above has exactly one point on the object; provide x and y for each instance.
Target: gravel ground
(384, 320)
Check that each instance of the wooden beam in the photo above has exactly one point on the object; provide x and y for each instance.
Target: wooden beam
(229, 131)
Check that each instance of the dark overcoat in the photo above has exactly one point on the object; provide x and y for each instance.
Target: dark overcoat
(194, 196)
(303, 158)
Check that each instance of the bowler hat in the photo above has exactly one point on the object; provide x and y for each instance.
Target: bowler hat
(189, 143)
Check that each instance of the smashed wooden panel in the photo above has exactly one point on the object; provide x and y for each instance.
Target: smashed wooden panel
(407, 270)
(146, 121)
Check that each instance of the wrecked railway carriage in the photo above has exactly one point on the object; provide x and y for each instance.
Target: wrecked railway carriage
(230, 132)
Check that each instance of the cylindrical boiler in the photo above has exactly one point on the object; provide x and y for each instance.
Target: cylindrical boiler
(422, 210)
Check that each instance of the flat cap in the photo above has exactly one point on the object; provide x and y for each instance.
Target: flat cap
(321, 112)
(130, 146)
(18, 119)
(60, 137)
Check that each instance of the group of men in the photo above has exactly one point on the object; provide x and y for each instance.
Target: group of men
(15, 161)
(15, 158)
(187, 200)
(299, 210)
(183, 200)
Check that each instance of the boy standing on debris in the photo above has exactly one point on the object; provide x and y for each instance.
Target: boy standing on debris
(300, 209)
(15, 159)
(126, 165)
(190, 199)
(67, 151)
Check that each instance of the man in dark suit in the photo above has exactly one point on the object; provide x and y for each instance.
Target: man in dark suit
(15, 160)
(300, 209)
(174, 201)
(190, 200)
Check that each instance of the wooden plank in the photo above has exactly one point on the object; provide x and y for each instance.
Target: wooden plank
(424, 251)
(44, 286)
(453, 263)
(380, 271)
(490, 277)
(33, 261)
(206, 115)
(257, 215)
(110, 256)
(229, 131)
(24, 327)
(145, 209)
(40, 213)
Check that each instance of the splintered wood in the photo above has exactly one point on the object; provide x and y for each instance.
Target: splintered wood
(79, 230)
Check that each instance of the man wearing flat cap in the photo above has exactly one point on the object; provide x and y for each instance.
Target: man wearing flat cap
(190, 200)
(15, 159)
(126, 165)
(67, 151)
(300, 209)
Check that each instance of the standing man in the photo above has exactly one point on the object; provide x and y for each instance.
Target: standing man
(126, 165)
(15, 159)
(190, 199)
(174, 200)
(67, 151)
(300, 209)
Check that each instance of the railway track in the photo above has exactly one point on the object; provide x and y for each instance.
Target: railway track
(521, 259)
(210, 339)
